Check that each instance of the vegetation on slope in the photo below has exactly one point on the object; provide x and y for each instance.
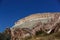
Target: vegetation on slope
(39, 36)
(53, 36)
(5, 36)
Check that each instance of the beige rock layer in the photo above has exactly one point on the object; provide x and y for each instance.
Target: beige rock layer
(34, 16)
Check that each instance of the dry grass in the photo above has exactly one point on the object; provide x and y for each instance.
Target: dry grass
(54, 36)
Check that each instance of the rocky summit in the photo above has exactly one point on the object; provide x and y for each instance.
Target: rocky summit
(36, 24)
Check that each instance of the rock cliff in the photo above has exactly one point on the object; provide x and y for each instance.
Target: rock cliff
(28, 26)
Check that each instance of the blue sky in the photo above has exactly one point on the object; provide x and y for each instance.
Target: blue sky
(13, 10)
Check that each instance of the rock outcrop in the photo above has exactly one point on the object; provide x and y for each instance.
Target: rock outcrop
(28, 26)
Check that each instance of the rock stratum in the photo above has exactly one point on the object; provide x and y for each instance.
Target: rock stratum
(29, 26)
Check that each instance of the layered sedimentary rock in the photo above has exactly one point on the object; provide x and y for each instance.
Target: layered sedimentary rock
(29, 25)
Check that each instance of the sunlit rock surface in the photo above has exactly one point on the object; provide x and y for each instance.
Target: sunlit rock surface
(31, 20)
(29, 25)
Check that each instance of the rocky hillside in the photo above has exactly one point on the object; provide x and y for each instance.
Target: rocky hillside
(34, 18)
(30, 25)
(40, 26)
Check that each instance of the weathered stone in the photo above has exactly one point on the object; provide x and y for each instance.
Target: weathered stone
(29, 25)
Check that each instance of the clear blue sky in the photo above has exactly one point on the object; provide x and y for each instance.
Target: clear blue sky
(12, 10)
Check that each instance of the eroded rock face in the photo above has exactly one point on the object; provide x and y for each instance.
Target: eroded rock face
(36, 22)
(32, 20)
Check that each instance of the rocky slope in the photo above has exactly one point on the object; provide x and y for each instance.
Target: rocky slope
(31, 19)
(30, 25)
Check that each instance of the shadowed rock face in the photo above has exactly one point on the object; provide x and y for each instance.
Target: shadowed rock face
(36, 22)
